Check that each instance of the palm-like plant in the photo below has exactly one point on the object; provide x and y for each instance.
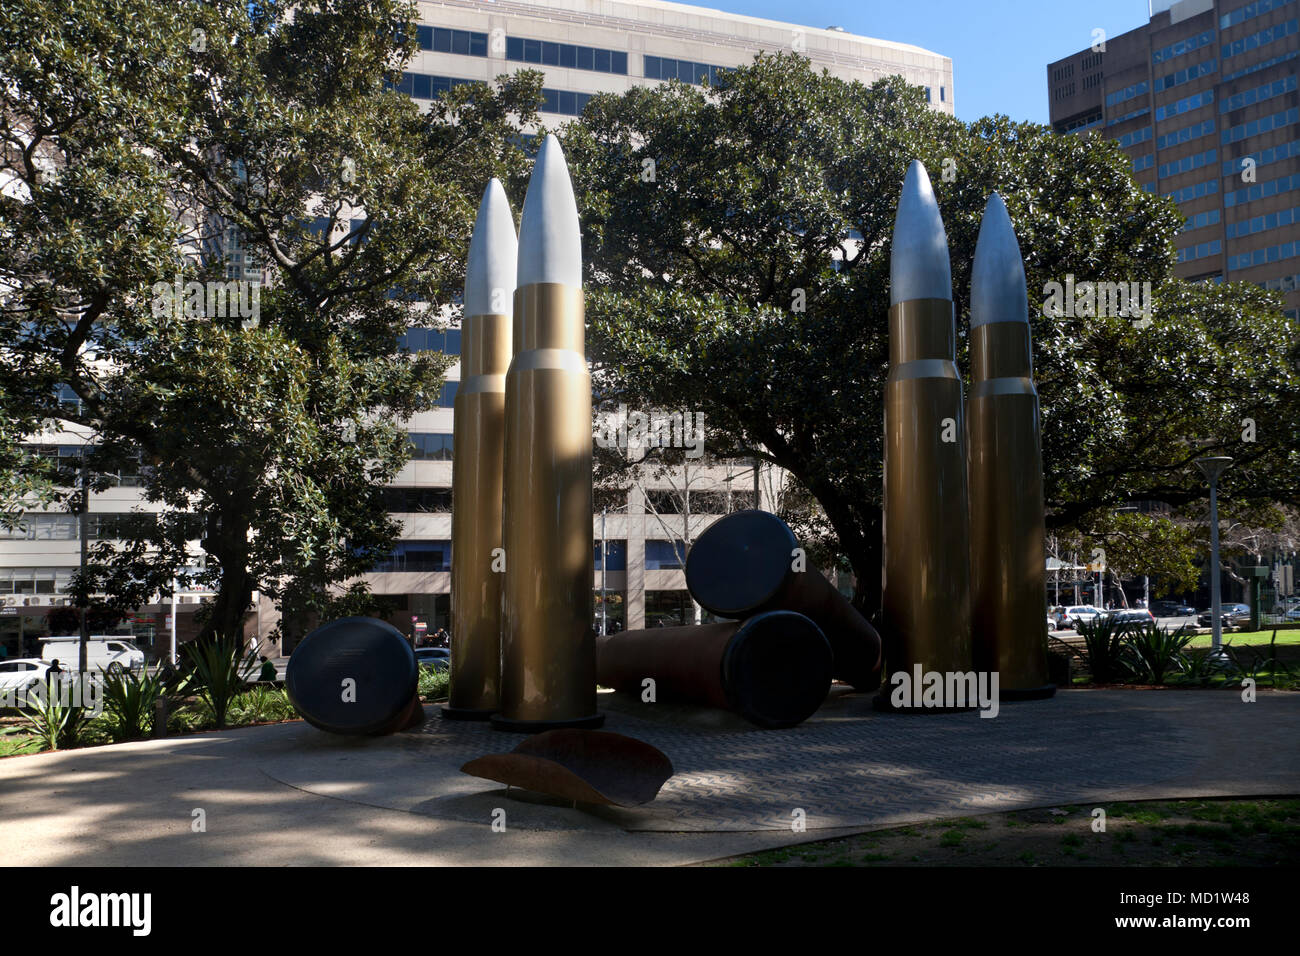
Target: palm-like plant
(221, 671)
(1103, 641)
(1157, 650)
(129, 698)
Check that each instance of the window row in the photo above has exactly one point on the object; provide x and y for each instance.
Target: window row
(1249, 11)
(435, 555)
(422, 86)
(1137, 136)
(1195, 191)
(1262, 125)
(1262, 190)
(1256, 40)
(1258, 94)
(1182, 46)
(1247, 227)
(1119, 96)
(430, 446)
(1200, 251)
(1204, 68)
(1281, 283)
(1144, 162)
(1287, 250)
(35, 580)
(564, 102)
(463, 42)
(1263, 157)
(1188, 163)
(1201, 219)
(566, 55)
(1261, 65)
(1116, 120)
(665, 68)
(1186, 134)
(1185, 105)
(430, 340)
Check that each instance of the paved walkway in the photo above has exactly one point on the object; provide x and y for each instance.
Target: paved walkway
(289, 794)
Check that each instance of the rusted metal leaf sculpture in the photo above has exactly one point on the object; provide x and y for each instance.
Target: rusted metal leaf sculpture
(586, 766)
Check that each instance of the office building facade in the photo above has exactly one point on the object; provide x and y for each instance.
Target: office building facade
(1204, 100)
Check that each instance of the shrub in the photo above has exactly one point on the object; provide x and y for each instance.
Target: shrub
(221, 671)
(52, 712)
(1103, 641)
(1156, 650)
(433, 683)
(129, 701)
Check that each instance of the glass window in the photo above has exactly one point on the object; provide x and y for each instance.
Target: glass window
(550, 53)
(421, 87)
(664, 555)
(460, 42)
(618, 62)
(532, 51)
(568, 55)
(602, 59)
(425, 37)
(442, 40)
(586, 58)
(514, 48)
(615, 555)
(478, 44)
(651, 67)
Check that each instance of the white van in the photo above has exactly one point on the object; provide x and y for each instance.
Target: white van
(101, 651)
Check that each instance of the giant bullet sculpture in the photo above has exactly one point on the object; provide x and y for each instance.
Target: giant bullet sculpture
(774, 669)
(548, 650)
(479, 439)
(355, 675)
(926, 609)
(746, 563)
(1008, 589)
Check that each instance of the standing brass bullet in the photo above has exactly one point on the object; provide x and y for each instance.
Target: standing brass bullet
(926, 613)
(1008, 586)
(478, 448)
(548, 646)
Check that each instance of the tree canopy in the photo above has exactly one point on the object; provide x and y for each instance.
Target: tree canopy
(738, 244)
(147, 146)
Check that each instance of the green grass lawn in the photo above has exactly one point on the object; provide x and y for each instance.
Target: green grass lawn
(1284, 638)
(1168, 833)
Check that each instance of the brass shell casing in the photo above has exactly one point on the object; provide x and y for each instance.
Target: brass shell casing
(927, 613)
(548, 646)
(1008, 560)
(476, 577)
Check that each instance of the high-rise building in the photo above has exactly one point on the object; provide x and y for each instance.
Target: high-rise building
(1204, 99)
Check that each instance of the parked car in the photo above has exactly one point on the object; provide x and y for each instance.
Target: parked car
(102, 650)
(1171, 609)
(1081, 614)
(18, 676)
(434, 658)
(1233, 615)
(1132, 617)
(1293, 614)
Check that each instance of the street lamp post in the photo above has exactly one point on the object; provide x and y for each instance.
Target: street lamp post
(604, 596)
(1212, 468)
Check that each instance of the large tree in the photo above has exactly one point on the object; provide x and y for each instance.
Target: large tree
(738, 245)
(146, 144)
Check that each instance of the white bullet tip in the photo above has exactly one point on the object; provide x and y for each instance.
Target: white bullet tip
(918, 263)
(997, 287)
(550, 236)
(493, 256)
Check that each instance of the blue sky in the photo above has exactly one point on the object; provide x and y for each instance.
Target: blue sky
(999, 50)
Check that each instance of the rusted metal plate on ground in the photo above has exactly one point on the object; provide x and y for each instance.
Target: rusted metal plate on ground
(589, 766)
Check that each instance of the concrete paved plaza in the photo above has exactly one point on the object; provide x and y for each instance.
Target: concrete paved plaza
(288, 794)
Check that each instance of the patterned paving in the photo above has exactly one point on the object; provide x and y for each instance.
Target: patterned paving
(849, 766)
